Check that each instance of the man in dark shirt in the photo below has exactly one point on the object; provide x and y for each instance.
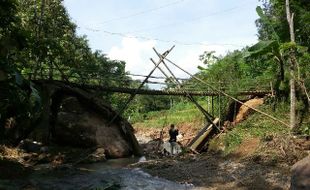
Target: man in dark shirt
(173, 133)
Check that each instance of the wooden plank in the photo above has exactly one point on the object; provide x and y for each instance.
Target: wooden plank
(203, 134)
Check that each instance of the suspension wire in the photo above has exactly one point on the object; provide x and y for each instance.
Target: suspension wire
(227, 95)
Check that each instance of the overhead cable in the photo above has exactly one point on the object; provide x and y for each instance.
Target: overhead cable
(142, 12)
(168, 41)
(191, 20)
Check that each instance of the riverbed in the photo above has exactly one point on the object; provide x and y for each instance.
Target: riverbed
(113, 175)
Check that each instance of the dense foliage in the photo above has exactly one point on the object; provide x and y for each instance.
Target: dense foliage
(277, 26)
(39, 41)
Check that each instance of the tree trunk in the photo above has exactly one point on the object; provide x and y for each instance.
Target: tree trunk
(293, 61)
(293, 100)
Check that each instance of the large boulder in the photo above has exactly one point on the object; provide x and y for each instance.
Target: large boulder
(301, 175)
(78, 125)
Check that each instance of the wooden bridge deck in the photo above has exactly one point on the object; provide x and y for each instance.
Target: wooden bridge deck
(150, 91)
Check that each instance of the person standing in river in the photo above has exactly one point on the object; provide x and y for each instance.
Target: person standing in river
(173, 133)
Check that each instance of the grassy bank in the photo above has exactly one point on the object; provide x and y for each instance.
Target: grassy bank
(257, 125)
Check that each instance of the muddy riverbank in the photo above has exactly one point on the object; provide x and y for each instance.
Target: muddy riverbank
(218, 172)
(256, 164)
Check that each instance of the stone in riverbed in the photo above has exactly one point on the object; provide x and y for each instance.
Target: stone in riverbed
(86, 128)
(300, 179)
(30, 146)
(97, 156)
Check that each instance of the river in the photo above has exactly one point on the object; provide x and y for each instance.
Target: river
(110, 175)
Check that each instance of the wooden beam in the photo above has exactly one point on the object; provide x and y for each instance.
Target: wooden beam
(147, 91)
(202, 135)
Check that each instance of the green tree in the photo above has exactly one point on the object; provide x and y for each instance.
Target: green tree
(275, 12)
(39, 41)
(279, 32)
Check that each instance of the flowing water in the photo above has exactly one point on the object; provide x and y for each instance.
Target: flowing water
(110, 175)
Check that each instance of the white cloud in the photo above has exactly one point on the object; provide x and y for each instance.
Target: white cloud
(189, 59)
(135, 53)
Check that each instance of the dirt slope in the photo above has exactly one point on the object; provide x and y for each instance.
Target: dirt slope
(244, 111)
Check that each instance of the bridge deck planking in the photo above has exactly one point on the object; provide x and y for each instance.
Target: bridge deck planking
(151, 91)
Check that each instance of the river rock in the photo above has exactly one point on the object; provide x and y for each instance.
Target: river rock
(300, 179)
(30, 146)
(97, 156)
(83, 127)
(167, 148)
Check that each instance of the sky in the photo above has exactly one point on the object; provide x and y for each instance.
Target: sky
(128, 29)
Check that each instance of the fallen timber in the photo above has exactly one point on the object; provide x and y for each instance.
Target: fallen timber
(202, 137)
(151, 91)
